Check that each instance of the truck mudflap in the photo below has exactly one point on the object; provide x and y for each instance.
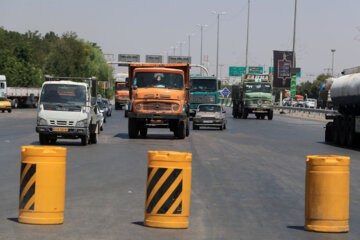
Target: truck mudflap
(181, 116)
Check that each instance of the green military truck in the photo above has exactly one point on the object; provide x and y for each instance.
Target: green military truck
(253, 95)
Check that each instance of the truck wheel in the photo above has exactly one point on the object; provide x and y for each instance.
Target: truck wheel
(15, 103)
(143, 132)
(270, 115)
(244, 113)
(3, 110)
(343, 132)
(133, 130)
(93, 138)
(257, 116)
(350, 135)
(52, 141)
(126, 113)
(9, 111)
(335, 131)
(181, 130)
(195, 127)
(328, 132)
(43, 139)
(187, 128)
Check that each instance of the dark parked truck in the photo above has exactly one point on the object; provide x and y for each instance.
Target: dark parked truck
(203, 90)
(253, 96)
(159, 98)
(345, 127)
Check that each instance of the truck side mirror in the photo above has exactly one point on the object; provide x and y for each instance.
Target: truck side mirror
(135, 87)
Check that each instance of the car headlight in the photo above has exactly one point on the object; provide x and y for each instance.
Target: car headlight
(138, 106)
(82, 123)
(41, 121)
(176, 107)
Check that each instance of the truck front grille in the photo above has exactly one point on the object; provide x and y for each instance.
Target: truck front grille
(202, 98)
(61, 123)
(157, 106)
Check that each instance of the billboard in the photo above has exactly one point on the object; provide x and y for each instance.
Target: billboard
(153, 59)
(129, 58)
(179, 59)
(282, 65)
(256, 70)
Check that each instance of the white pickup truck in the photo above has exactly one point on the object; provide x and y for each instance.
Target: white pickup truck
(67, 109)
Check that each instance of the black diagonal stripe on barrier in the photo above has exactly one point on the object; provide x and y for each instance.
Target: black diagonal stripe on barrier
(178, 210)
(171, 199)
(154, 180)
(28, 175)
(32, 206)
(27, 196)
(149, 171)
(162, 190)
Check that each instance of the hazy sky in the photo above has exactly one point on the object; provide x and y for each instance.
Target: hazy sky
(152, 27)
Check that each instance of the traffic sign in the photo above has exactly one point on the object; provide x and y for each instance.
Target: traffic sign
(225, 92)
(293, 86)
(236, 71)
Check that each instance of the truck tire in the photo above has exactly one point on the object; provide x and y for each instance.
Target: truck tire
(335, 131)
(143, 132)
(350, 135)
(195, 127)
(126, 113)
(270, 115)
(94, 135)
(181, 130)
(257, 116)
(328, 132)
(343, 132)
(15, 103)
(187, 128)
(244, 113)
(43, 139)
(133, 130)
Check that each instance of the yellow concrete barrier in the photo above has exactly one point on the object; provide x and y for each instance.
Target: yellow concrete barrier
(168, 189)
(327, 194)
(42, 185)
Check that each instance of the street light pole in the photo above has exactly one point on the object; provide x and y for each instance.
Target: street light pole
(217, 45)
(247, 38)
(180, 45)
(173, 48)
(294, 63)
(201, 43)
(332, 62)
(189, 36)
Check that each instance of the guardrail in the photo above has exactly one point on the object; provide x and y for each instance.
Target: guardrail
(306, 112)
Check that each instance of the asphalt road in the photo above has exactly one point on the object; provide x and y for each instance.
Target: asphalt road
(247, 181)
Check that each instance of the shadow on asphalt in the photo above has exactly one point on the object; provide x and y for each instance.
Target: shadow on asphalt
(356, 148)
(149, 136)
(60, 143)
(301, 228)
(139, 223)
(13, 219)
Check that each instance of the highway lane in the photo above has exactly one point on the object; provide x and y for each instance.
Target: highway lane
(247, 181)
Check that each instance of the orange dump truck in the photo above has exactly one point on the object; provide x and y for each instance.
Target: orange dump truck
(121, 90)
(159, 98)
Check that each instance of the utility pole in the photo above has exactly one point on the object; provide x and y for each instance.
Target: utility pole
(189, 35)
(201, 43)
(294, 63)
(247, 39)
(173, 48)
(332, 62)
(218, 33)
(180, 45)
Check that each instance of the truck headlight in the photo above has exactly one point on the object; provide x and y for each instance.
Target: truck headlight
(176, 107)
(41, 121)
(82, 123)
(138, 106)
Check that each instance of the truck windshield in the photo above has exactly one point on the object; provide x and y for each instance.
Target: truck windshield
(266, 88)
(159, 80)
(121, 86)
(63, 94)
(203, 85)
(209, 108)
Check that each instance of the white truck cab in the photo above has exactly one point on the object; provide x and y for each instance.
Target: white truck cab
(67, 110)
(2, 86)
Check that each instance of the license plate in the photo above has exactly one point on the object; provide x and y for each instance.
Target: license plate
(207, 121)
(61, 129)
(157, 121)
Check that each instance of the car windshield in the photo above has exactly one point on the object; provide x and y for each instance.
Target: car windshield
(209, 108)
(3, 99)
(63, 94)
(203, 85)
(159, 80)
(121, 86)
(266, 88)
